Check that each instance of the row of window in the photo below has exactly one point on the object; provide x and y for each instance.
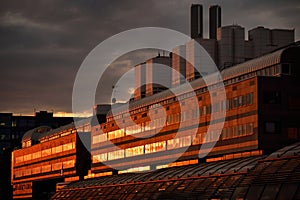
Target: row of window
(45, 168)
(135, 169)
(84, 128)
(26, 144)
(143, 149)
(226, 133)
(243, 100)
(130, 130)
(235, 155)
(46, 152)
(208, 109)
(22, 186)
(180, 163)
(268, 71)
(147, 167)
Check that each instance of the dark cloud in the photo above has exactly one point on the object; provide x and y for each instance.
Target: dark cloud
(43, 43)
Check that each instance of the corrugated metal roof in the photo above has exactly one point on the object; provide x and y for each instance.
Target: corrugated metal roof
(43, 132)
(244, 178)
(64, 128)
(35, 134)
(253, 65)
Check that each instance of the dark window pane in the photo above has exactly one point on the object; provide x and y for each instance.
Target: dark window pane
(272, 97)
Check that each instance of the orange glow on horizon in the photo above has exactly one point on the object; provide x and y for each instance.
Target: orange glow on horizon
(66, 114)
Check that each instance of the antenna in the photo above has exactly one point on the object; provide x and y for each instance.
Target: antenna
(113, 100)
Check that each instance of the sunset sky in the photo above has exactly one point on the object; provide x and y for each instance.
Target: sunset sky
(43, 43)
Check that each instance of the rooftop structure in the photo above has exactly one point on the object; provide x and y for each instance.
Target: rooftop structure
(260, 177)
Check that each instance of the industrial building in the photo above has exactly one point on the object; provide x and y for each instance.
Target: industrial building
(262, 116)
(155, 137)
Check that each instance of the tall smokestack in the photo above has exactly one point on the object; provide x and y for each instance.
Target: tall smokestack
(196, 21)
(214, 21)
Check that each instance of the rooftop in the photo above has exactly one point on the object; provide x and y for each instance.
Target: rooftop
(260, 177)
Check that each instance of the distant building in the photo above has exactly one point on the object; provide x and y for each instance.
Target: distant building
(100, 112)
(226, 44)
(262, 115)
(149, 74)
(140, 81)
(196, 21)
(264, 40)
(12, 129)
(231, 44)
(214, 21)
(178, 64)
(194, 56)
(49, 156)
(156, 73)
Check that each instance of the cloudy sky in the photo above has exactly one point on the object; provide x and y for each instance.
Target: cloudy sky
(43, 43)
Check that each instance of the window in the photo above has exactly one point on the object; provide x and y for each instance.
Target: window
(36, 170)
(235, 131)
(204, 111)
(68, 164)
(18, 173)
(19, 159)
(27, 172)
(36, 155)
(99, 138)
(46, 168)
(235, 102)
(223, 105)
(179, 142)
(100, 157)
(134, 151)
(197, 139)
(115, 134)
(250, 128)
(155, 147)
(116, 154)
(272, 97)
(271, 127)
(248, 99)
(46, 152)
(68, 146)
(27, 157)
(56, 166)
(57, 149)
